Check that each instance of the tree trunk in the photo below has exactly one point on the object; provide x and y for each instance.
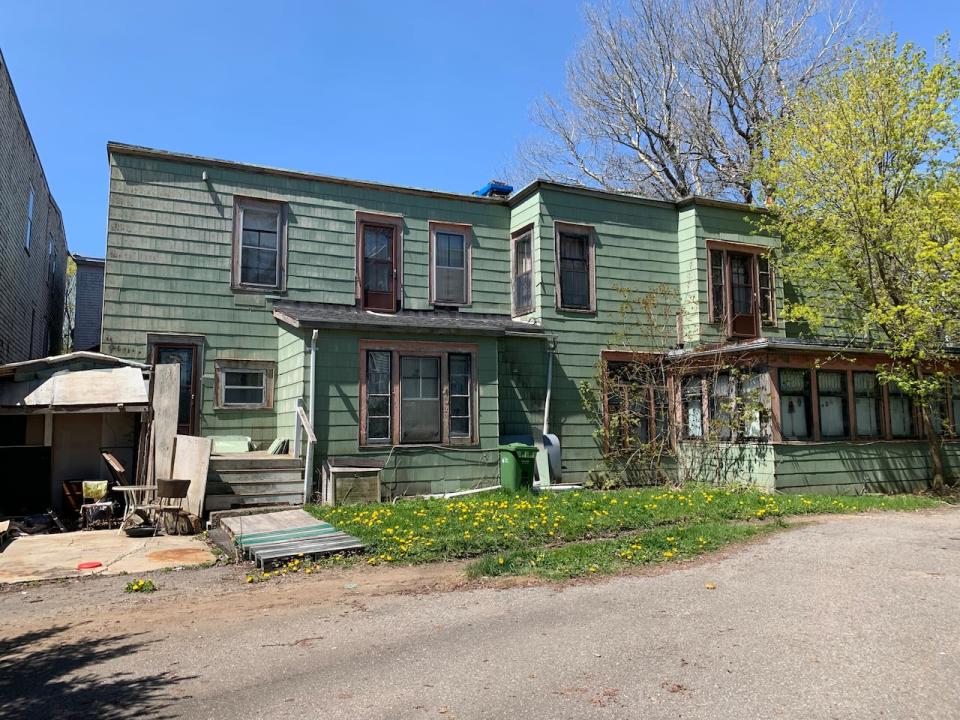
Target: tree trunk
(935, 446)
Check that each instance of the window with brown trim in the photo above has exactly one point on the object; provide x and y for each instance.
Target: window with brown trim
(902, 424)
(418, 393)
(259, 244)
(833, 404)
(521, 271)
(575, 260)
(243, 384)
(795, 405)
(868, 405)
(378, 260)
(955, 407)
(636, 405)
(740, 288)
(450, 260)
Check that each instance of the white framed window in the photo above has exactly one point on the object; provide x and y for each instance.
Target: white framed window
(244, 384)
(259, 244)
(450, 256)
(28, 233)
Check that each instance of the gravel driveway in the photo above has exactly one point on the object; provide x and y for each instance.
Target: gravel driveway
(849, 617)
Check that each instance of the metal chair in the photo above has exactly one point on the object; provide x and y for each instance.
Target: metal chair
(94, 510)
(170, 496)
(137, 499)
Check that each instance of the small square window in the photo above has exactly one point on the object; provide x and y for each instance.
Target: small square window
(259, 245)
(244, 384)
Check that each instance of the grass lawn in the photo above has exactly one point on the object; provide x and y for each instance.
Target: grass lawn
(550, 534)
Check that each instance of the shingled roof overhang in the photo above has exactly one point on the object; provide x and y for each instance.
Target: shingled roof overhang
(312, 315)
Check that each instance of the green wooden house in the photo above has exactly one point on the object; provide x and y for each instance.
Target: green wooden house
(416, 329)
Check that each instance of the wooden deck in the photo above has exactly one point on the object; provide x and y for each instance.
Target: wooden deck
(272, 537)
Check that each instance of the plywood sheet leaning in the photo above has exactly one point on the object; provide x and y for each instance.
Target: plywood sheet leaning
(191, 461)
(166, 409)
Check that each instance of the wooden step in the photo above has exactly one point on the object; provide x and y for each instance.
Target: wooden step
(266, 475)
(225, 502)
(254, 462)
(216, 487)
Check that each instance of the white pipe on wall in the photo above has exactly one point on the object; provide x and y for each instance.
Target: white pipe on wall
(308, 468)
(546, 402)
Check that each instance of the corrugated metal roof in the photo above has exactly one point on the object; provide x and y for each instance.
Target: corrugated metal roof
(107, 388)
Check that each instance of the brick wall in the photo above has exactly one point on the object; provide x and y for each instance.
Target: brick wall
(31, 281)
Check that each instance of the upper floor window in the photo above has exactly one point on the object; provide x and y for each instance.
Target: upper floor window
(450, 264)
(378, 257)
(259, 244)
(741, 289)
(575, 253)
(29, 229)
(522, 271)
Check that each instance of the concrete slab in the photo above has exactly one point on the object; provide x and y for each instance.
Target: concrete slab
(48, 557)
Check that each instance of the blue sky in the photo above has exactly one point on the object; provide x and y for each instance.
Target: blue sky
(431, 94)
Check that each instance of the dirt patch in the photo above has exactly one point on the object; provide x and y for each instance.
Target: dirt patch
(185, 556)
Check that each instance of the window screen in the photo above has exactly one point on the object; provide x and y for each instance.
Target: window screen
(244, 387)
(721, 406)
(868, 405)
(574, 271)
(753, 412)
(460, 379)
(419, 399)
(766, 290)
(378, 396)
(717, 285)
(522, 273)
(377, 258)
(450, 268)
(794, 404)
(259, 247)
(955, 399)
(901, 412)
(833, 404)
(693, 407)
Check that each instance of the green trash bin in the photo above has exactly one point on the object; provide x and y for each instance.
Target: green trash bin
(517, 463)
(509, 469)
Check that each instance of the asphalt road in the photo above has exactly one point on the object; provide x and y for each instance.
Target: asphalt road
(846, 618)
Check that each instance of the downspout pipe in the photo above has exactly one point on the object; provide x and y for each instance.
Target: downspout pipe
(311, 404)
(546, 402)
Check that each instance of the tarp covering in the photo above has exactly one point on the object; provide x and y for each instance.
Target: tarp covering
(107, 387)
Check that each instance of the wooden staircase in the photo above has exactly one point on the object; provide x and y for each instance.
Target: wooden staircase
(252, 479)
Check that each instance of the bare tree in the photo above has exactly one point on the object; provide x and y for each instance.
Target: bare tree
(669, 97)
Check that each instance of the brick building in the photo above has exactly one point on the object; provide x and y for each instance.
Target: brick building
(33, 247)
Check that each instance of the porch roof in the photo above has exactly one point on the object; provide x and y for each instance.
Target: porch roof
(328, 315)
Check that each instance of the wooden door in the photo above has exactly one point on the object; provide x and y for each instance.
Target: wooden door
(743, 306)
(379, 268)
(186, 356)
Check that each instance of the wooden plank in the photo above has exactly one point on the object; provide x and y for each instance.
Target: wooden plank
(191, 460)
(166, 408)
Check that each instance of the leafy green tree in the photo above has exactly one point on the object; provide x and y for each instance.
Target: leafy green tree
(863, 179)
